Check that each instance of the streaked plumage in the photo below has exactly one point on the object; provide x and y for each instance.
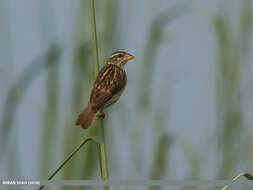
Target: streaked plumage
(108, 87)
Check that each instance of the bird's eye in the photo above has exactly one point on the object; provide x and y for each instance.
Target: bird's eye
(120, 55)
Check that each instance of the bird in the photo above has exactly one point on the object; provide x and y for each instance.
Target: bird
(107, 88)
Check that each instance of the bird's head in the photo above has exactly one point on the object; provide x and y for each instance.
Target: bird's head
(119, 58)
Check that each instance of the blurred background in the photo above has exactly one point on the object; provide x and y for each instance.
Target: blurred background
(186, 112)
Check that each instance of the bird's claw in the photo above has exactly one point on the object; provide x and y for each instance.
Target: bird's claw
(101, 115)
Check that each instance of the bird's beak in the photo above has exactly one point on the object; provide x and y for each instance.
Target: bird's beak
(128, 57)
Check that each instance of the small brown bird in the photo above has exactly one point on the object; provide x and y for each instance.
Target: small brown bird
(108, 87)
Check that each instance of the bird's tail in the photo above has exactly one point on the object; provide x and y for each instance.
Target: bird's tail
(86, 117)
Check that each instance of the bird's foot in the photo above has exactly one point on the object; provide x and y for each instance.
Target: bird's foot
(100, 115)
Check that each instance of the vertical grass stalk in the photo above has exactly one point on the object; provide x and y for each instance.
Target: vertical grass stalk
(102, 154)
(101, 146)
(94, 34)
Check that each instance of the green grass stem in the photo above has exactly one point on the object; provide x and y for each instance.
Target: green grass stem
(246, 175)
(68, 159)
(101, 146)
(94, 34)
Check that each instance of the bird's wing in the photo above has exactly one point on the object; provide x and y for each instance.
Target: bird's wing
(110, 80)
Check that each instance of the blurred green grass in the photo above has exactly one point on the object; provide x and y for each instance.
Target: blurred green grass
(234, 139)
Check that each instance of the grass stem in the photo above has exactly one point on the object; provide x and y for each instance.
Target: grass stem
(101, 146)
(66, 161)
(102, 154)
(246, 175)
(94, 32)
